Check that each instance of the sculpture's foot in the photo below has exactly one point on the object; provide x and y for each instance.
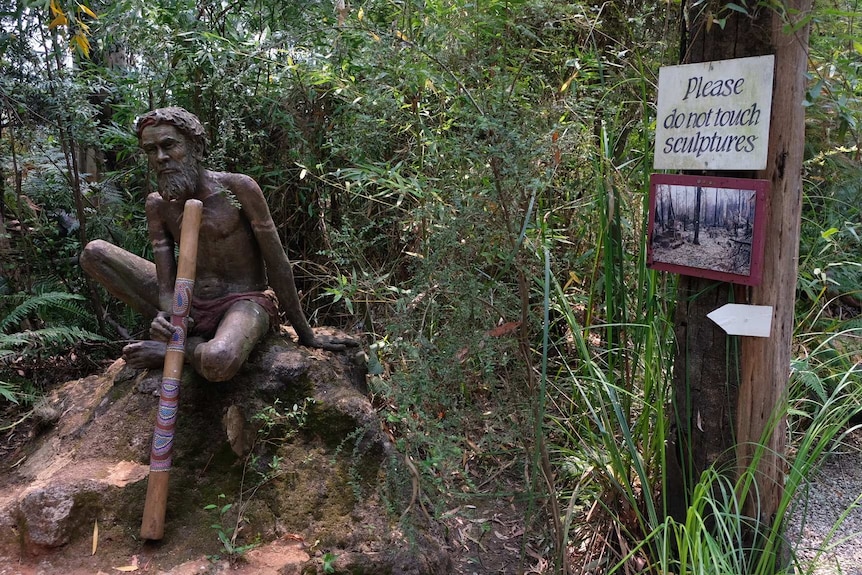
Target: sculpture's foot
(145, 354)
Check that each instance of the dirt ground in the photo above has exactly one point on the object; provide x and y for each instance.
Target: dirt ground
(718, 250)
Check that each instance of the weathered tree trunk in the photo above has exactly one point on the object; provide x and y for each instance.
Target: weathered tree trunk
(5, 247)
(705, 388)
(706, 376)
(697, 216)
(726, 390)
(766, 361)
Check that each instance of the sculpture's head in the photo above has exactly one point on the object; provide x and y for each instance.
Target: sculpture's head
(174, 141)
(183, 120)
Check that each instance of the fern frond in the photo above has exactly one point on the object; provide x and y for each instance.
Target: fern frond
(9, 346)
(60, 336)
(26, 343)
(6, 354)
(12, 340)
(112, 194)
(803, 372)
(73, 310)
(8, 392)
(35, 303)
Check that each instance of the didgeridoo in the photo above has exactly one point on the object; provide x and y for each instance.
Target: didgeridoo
(153, 523)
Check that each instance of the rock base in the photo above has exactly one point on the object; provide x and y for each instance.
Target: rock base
(280, 470)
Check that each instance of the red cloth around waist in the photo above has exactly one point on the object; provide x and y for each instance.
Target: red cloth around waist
(207, 314)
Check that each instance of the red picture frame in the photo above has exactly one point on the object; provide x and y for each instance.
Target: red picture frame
(709, 227)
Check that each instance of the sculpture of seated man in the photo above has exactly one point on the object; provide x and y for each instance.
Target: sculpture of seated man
(240, 257)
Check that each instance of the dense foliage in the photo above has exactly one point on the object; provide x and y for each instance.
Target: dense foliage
(462, 183)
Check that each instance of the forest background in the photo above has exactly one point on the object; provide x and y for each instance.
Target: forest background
(463, 184)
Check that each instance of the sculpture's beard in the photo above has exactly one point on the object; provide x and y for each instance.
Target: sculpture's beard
(180, 182)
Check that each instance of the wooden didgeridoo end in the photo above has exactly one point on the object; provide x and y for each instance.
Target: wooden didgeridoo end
(153, 523)
(156, 504)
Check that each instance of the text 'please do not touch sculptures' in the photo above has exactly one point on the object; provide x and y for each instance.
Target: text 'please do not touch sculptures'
(715, 115)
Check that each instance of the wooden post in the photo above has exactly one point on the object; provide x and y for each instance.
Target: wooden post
(721, 408)
(766, 361)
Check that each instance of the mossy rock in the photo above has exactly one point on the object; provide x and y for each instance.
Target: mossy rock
(306, 478)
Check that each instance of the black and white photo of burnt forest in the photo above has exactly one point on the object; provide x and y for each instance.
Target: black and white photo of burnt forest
(704, 227)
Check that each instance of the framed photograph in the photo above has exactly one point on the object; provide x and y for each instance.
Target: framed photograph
(707, 227)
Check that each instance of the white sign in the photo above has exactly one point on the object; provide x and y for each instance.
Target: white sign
(714, 115)
(739, 319)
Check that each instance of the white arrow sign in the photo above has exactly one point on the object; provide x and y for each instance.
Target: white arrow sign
(739, 319)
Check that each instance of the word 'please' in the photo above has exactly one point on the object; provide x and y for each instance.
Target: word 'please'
(699, 88)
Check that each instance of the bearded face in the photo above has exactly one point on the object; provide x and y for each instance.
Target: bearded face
(171, 156)
(178, 181)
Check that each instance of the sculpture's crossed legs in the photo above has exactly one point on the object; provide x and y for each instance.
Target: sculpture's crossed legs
(132, 280)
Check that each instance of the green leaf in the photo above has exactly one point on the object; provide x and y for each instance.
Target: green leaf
(7, 392)
(828, 233)
(814, 91)
(374, 365)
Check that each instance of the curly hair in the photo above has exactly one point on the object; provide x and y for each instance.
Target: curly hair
(183, 120)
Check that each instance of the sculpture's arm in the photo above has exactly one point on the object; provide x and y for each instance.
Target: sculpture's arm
(278, 266)
(163, 251)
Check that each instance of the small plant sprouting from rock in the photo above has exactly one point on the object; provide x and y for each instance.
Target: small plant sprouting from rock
(276, 426)
(279, 425)
(329, 562)
(228, 535)
(355, 480)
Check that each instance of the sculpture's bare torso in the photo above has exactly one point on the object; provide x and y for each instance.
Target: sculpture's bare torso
(229, 258)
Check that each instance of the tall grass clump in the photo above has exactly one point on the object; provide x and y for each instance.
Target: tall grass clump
(609, 429)
(616, 474)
